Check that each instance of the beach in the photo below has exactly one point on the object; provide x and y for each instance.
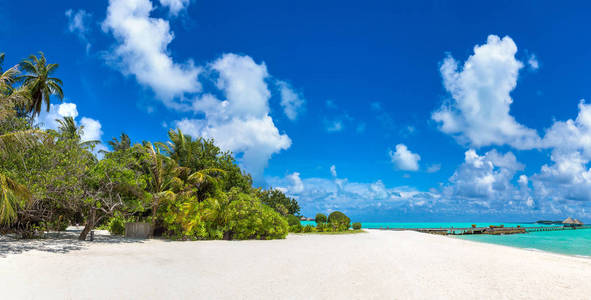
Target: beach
(376, 264)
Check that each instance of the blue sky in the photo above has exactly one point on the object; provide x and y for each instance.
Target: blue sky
(409, 111)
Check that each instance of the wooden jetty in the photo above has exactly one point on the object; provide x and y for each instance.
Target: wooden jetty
(495, 230)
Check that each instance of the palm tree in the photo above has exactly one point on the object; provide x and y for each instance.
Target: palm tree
(13, 194)
(67, 126)
(161, 171)
(40, 83)
(123, 144)
(69, 129)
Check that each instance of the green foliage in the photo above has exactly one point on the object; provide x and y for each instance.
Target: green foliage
(293, 220)
(188, 188)
(117, 226)
(321, 218)
(339, 220)
(356, 225)
(309, 228)
(296, 228)
(277, 200)
(249, 218)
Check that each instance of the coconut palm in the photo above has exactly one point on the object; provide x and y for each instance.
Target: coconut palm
(162, 172)
(40, 83)
(69, 129)
(123, 143)
(12, 194)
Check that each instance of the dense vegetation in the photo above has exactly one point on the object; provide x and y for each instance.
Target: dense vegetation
(186, 188)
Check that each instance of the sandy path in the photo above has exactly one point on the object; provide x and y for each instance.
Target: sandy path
(393, 265)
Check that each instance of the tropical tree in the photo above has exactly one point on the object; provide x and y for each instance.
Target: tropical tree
(69, 129)
(161, 171)
(12, 196)
(123, 143)
(40, 83)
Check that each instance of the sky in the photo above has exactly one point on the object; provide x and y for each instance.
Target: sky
(385, 110)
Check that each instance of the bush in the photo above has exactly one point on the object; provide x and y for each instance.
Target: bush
(356, 225)
(249, 218)
(339, 219)
(296, 228)
(293, 220)
(320, 218)
(309, 228)
(116, 226)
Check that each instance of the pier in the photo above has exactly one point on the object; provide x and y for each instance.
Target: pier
(494, 230)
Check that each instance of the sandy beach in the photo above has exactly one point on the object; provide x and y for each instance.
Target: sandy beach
(376, 264)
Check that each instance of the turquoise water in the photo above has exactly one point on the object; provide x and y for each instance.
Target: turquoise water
(570, 242)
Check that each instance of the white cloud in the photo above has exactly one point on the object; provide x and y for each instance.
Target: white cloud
(481, 100)
(92, 130)
(292, 102)
(78, 24)
(404, 159)
(241, 123)
(485, 180)
(533, 63)
(175, 6)
(333, 171)
(48, 119)
(327, 195)
(142, 50)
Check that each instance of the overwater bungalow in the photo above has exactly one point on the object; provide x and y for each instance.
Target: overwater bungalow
(570, 222)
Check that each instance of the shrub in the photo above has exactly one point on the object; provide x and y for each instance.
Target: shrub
(296, 228)
(339, 219)
(320, 218)
(356, 225)
(117, 226)
(249, 218)
(293, 220)
(309, 228)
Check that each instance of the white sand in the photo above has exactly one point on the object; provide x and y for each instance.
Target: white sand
(378, 264)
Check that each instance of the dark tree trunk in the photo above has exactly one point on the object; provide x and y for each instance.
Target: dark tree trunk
(88, 226)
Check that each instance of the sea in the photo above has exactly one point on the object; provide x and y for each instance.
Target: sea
(569, 242)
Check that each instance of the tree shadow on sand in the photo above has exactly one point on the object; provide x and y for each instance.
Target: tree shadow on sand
(57, 242)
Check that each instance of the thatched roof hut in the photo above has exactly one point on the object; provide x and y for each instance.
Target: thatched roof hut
(568, 220)
(579, 222)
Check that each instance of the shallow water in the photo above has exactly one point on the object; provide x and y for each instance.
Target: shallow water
(571, 242)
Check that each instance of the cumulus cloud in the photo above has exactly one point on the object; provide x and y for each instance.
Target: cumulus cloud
(485, 181)
(175, 6)
(78, 24)
(327, 195)
(404, 159)
(292, 102)
(241, 122)
(142, 49)
(479, 111)
(568, 178)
